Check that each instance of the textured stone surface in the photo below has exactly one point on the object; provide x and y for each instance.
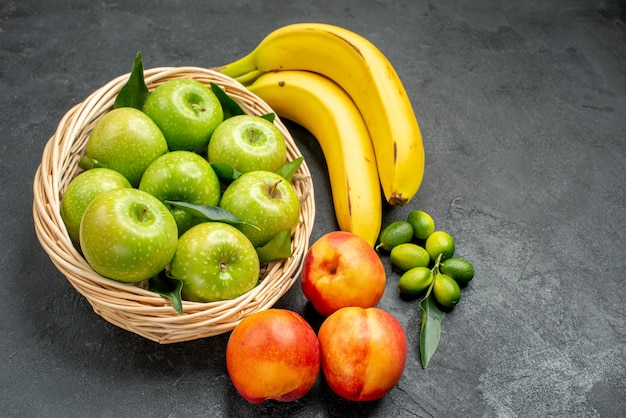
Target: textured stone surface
(523, 113)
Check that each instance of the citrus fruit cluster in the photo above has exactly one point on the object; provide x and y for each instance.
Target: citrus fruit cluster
(426, 257)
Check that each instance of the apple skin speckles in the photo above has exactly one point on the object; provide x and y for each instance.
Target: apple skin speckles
(128, 235)
(187, 112)
(126, 140)
(249, 199)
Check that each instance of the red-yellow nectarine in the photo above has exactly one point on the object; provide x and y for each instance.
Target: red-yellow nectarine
(363, 352)
(273, 354)
(342, 269)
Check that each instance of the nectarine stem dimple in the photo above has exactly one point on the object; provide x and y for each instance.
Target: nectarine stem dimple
(331, 265)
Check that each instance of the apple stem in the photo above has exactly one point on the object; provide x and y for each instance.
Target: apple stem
(142, 213)
(274, 188)
(197, 107)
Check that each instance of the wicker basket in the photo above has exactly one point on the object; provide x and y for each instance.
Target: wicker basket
(130, 306)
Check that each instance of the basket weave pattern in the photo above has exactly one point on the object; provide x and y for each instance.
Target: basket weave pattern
(130, 306)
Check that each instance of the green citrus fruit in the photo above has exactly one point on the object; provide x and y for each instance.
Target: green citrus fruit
(440, 242)
(408, 255)
(446, 290)
(422, 223)
(415, 281)
(394, 234)
(459, 269)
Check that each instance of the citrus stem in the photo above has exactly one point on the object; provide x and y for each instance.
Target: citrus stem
(437, 262)
(435, 272)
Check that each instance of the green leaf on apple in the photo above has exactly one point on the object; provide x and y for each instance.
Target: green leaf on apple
(288, 170)
(278, 248)
(135, 92)
(269, 117)
(169, 287)
(210, 213)
(225, 171)
(230, 107)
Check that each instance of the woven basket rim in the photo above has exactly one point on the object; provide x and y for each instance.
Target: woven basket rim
(133, 307)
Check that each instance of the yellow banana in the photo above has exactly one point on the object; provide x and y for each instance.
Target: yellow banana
(325, 110)
(368, 77)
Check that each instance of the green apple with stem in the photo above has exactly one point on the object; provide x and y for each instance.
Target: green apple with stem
(125, 140)
(215, 261)
(186, 111)
(81, 191)
(182, 176)
(128, 235)
(266, 203)
(248, 143)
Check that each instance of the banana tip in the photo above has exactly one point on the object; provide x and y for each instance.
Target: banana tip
(398, 200)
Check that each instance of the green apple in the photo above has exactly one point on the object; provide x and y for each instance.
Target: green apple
(187, 112)
(82, 190)
(128, 235)
(215, 261)
(125, 140)
(264, 200)
(248, 143)
(182, 176)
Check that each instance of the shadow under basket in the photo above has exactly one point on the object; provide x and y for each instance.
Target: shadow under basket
(129, 306)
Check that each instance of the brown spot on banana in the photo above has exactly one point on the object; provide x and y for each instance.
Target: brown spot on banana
(349, 200)
(353, 46)
(397, 200)
(395, 152)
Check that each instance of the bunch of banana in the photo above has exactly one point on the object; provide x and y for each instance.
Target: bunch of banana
(358, 81)
(324, 109)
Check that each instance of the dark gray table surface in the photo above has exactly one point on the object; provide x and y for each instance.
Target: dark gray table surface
(522, 106)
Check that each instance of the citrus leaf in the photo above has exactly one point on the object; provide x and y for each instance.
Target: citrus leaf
(269, 117)
(169, 287)
(229, 106)
(288, 170)
(210, 213)
(135, 92)
(278, 248)
(430, 333)
(432, 316)
(225, 171)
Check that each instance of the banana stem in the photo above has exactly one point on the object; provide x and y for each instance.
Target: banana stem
(249, 78)
(240, 67)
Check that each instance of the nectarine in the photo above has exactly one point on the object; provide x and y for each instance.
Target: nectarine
(273, 354)
(342, 269)
(363, 352)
